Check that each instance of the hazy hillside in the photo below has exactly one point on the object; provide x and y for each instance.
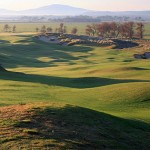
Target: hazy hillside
(144, 14)
(55, 10)
(64, 10)
(47, 10)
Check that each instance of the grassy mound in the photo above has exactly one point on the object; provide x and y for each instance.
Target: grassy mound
(58, 126)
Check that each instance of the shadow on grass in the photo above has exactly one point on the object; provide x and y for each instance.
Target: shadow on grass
(82, 128)
(4, 42)
(138, 68)
(83, 82)
(27, 53)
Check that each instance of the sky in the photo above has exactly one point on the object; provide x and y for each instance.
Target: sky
(100, 5)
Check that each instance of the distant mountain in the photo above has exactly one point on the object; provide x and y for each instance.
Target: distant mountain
(60, 10)
(64, 10)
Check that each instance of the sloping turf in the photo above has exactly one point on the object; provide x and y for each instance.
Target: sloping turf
(98, 79)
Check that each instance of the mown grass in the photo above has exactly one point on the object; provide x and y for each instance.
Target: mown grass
(97, 78)
(51, 72)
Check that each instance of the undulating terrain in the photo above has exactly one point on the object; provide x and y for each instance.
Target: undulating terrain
(77, 97)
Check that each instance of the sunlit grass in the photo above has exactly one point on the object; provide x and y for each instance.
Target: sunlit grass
(59, 83)
(117, 82)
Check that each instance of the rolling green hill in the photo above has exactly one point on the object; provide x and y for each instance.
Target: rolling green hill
(107, 91)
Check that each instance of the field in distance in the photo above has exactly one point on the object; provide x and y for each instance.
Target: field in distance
(31, 27)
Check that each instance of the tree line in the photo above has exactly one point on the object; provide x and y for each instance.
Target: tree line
(105, 30)
(8, 28)
(61, 29)
(82, 18)
(115, 30)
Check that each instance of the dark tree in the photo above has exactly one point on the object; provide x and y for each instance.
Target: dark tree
(88, 30)
(140, 30)
(37, 29)
(114, 29)
(43, 29)
(103, 29)
(74, 30)
(130, 29)
(61, 27)
(14, 28)
(65, 29)
(56, 30)
(49, 29)
(6, 27)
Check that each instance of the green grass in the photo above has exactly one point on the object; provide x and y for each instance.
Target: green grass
(97, 79)
(80, 75)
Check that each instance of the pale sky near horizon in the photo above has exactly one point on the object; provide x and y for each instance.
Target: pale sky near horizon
(101, 5)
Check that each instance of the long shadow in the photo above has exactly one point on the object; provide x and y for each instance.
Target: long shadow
(4, 41)
(27, 53)
(87, 129)
(83, 82)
